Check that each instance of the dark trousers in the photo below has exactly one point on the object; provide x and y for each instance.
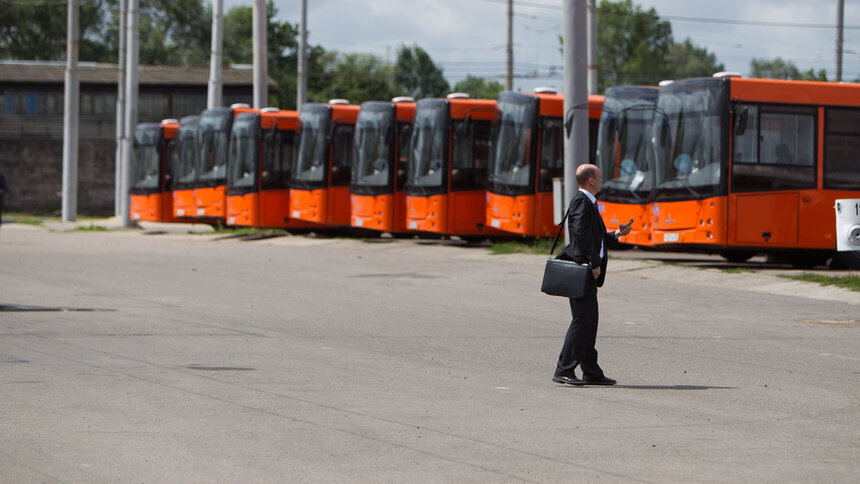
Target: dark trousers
(578, 348)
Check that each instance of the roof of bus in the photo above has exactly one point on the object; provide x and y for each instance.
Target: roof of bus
(476, 108)
(781, 91)
(284, 119)
(795, 92)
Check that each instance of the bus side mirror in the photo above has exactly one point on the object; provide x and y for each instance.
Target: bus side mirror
(741, 127)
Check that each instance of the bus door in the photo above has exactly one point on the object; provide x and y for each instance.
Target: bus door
(210, 189)
(773, 164)
(182, 171)
(377, 199)
(322, 169)
(153, 145)
(625, 159)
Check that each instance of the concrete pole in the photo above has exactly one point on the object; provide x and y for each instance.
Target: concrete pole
(70, 116)
(840, 14)
(120, 105)
(509, 49)
(592, 46)
(216, 59)
(261, 74)
(302, 88)
(130, 109)
(574, 29)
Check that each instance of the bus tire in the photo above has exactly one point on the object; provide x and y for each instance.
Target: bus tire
(846, 260)
(737, 256)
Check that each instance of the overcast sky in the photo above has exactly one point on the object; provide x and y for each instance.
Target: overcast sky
(468, 36)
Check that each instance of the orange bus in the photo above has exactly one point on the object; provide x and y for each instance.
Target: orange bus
(182, 168)
(319, 190)
(210, 187)
(262, 148)
(446, 187)
(526, 153)
(625, 158)
(150, 197)
(747, 166)
(381, 143)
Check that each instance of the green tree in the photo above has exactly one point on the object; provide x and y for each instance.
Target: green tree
(782, 69)
(356, 77)
(30, 31)
(632, 44)
(416, 73)
(685, 60)
(479, 88)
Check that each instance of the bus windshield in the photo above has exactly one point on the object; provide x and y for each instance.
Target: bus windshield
(146, 169)
(310, 163)
(428, 150)
(623, 143)
(183, 159)
(244, 153)
(214, 139)
(374, 132)
(688, 142)
(510, 142)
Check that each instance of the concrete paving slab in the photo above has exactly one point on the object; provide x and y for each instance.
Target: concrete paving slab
(189, 358)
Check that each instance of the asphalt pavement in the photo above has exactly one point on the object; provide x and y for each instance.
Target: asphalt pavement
(162, 355)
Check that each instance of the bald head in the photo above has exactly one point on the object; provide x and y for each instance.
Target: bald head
(587, 175)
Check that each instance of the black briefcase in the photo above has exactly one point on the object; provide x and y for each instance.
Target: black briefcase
(564, 277)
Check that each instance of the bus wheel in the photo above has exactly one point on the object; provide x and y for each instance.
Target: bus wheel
(737, 256)
(846, 260)
(807, 259)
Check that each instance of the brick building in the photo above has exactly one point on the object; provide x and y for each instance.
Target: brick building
(31, 124)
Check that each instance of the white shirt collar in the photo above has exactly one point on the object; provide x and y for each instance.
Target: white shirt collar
(589, 195)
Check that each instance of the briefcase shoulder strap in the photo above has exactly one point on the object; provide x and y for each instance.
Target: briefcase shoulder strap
(560, 228)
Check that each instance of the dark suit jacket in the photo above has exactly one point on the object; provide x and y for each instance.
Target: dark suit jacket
(586, 229)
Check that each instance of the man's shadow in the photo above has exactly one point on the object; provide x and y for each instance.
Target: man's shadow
(656, 387)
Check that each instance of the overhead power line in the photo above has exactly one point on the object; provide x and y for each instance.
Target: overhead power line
(757, 22)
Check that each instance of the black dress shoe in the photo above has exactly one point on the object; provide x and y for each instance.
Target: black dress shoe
(600, 380)
(569, 380)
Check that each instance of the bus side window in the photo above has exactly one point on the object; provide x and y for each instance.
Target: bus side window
(551, 154)
(403, 138)
(471, 150)
(776, 150)
(341, 160)
(842, 149)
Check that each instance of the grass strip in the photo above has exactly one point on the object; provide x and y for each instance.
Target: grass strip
(848, 282)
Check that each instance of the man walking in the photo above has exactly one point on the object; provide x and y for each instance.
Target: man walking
(588, 243)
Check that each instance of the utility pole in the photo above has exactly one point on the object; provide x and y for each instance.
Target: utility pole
(216, 57)
(302, 87)
(120, 105)
(261, 74)
(131, 69)
(70, 115)
(509, 78)
(840, 14)
(575, 93)
(592, 46)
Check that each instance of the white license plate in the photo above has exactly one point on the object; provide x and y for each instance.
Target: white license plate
(495, 223)
(296, 213)
(232, 221)
(670, 237)
(137, 216)
(201, 212)
(413, 225)
(180, 212)
(359, 222)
